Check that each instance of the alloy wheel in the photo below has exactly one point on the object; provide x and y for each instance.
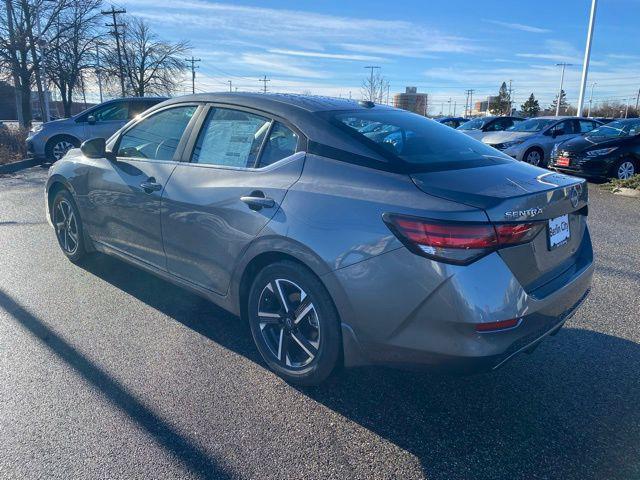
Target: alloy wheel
(533, 157)
(289, 323)
(626, 170)
(66, 226)
(61, 148)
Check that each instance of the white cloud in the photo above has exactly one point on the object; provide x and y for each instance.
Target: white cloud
(519, 26)
(333, 56)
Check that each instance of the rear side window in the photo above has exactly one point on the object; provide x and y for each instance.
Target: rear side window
(157, 136)
(230, 138)
(586, 126)
(282, 142)
(422, 143)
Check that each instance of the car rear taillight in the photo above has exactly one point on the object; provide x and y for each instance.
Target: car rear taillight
(497, 326)
(457, 242)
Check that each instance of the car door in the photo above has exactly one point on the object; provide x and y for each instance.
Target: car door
(124, 193)
(234, 177)
(105, 120)
(558, 133)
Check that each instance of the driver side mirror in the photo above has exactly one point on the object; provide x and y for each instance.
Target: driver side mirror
(91, 120)
(94, 148)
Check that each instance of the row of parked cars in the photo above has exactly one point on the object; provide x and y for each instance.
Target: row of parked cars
(593, 148)
(577, 145)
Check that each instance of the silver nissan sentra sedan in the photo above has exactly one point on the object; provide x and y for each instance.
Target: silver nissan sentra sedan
(345, 233)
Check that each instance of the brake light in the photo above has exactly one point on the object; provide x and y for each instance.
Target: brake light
(457, 242)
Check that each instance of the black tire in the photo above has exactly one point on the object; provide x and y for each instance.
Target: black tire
(51, 151)
(70, 235)
(541, 160)
(307, 351)
(624, 168)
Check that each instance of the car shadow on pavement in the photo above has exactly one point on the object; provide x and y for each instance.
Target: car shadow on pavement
(190, 455)
(570, 410)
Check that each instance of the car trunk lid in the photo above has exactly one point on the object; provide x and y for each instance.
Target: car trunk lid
(517, 192)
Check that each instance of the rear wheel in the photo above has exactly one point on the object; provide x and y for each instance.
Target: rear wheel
(68, 227)
(294, 323)
(624, 169)
(535, 157)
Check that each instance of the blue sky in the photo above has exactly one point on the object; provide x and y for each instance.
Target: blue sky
(443, 48)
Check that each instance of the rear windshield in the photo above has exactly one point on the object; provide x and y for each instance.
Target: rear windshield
(422, 143)
(475, 124)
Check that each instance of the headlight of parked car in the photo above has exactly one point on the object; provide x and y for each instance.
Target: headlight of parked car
(600, 152)
(512, 143)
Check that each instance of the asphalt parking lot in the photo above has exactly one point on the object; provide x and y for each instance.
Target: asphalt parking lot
(108, 372)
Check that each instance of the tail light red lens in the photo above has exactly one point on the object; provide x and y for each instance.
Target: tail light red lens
(457, 242)
(497, 326)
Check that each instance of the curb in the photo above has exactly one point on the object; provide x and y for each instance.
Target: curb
(19, 165)
(627, 192)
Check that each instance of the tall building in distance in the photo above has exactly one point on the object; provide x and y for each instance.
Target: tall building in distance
(412, 100)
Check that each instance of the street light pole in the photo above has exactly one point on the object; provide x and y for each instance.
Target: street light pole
(591, 99)
(587, 55)
(563, 65)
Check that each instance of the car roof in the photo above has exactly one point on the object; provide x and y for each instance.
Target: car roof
(277, 102)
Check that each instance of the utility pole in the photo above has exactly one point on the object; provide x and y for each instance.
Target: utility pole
(98, 71)
(591, 99)
(230, 88)
(449, 102)
(587, 55)
(113, 12)
(466, 102)
(372, 90)
(14, 63)
(264, 81)
(563, 65)
(637, 102)
(193, 62)
(626, 110)
(455, 105)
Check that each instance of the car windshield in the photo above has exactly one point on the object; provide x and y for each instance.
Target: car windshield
(616, 129)
(475, 124)
(531, 125)
(417, 140)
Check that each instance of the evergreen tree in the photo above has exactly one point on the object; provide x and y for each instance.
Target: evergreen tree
(531, 107)
(563, 103)
(500, 105)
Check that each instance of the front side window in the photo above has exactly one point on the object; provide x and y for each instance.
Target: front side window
(420, 142)
(157, 136)
(563, 128)
(113, 112)
(282, 142)
(500, 124)
(230, 138)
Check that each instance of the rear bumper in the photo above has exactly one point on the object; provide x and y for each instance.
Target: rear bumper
(395, 326)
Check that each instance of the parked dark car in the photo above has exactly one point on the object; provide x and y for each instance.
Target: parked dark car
(342, 231)
(480, 127)
(453, 122)
(611, 150)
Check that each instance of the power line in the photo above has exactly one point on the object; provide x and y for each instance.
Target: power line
(193, 62)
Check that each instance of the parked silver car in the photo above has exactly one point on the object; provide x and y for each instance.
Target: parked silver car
(414, 245)
(480, 127)
(52, 140)
(531, 141)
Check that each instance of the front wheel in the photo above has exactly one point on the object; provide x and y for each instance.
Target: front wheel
(534, 156)
(294, 323)
(624, 169)
(59, 146)
(68, 227)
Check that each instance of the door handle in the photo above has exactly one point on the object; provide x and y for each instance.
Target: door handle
(256, 200)
(150, 185)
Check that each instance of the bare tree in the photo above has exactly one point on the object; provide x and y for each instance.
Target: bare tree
(25, 27)
(72, 53)
(374, 88)
(151, 65)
